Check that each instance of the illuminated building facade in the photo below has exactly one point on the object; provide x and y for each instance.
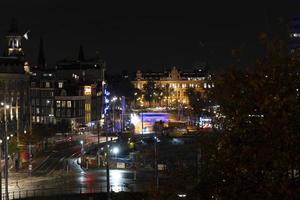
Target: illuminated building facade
(14, 85)
(174, 85)
(81, 89)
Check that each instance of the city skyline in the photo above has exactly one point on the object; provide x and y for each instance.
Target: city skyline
(149, 37)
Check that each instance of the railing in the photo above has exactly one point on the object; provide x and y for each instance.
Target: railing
(44, 192)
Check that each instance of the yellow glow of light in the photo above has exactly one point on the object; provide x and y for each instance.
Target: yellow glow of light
(87, 90)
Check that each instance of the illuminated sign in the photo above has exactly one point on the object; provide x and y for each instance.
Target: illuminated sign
(87, 90)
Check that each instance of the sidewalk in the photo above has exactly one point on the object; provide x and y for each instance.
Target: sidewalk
(24, 170)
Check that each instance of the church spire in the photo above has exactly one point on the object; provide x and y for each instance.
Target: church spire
(81, 54)
(41, 56)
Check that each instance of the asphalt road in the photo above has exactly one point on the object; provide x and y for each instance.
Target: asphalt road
(61, 173)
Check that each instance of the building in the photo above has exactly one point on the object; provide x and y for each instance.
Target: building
(71, 92)
(174, 84)
(14, 85)
(80, 86)
(42, 90)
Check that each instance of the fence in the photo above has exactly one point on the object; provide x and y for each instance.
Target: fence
(44, 192)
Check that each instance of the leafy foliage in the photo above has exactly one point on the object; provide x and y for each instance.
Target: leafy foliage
(119, 86)
(257, 154)
(197, 101)
(152, 92)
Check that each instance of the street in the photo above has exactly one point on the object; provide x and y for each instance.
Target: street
(60, 172)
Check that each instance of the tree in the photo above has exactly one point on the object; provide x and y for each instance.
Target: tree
(120, 86)
(197, 101)
(152, 92)
(257, 155)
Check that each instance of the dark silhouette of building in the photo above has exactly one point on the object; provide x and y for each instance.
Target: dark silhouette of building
(71, 91)
(14, 84)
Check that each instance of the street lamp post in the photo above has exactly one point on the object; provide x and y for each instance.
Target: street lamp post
(0, 169)
(142, 124)
(155, 163)
(5, 151)
(81, 154)
(107, 168)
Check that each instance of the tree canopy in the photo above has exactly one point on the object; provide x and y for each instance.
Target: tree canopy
(257, 153)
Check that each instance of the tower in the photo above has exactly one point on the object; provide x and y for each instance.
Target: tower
(14, 41)
(41, 56)
(81, 54)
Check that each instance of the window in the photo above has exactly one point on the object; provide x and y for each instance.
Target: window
(60, 84)
(63, 104)
(58, 112)
(33, 84)
(58, 104)
(205, 85)
(37, 110)
(47, 84)
(69, 104)
(37, 119)
(33, 119)
(68, 113)
(87, 107)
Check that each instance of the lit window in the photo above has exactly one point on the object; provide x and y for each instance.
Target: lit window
(87, 90)
(37, 110)
(205, 85)
(63, 104)
(69, 104)
(58, 104)
(47, 84)
(37, 119)
(33, 119)
(60, 84)
(87, 107)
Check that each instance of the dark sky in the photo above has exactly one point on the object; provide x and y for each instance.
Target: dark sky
(150, 36)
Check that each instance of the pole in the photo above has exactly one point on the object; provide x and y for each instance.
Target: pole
(155, 163)
(6, 152)
(113, 109)
(30, 131)
(107, 169)
(1, 169)
(18, 135)
(142, 124)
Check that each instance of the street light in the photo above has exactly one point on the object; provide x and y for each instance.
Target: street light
(6, 138)
(116, 150)
(81, 157)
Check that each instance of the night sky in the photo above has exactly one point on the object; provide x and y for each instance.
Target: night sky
(142, 36)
